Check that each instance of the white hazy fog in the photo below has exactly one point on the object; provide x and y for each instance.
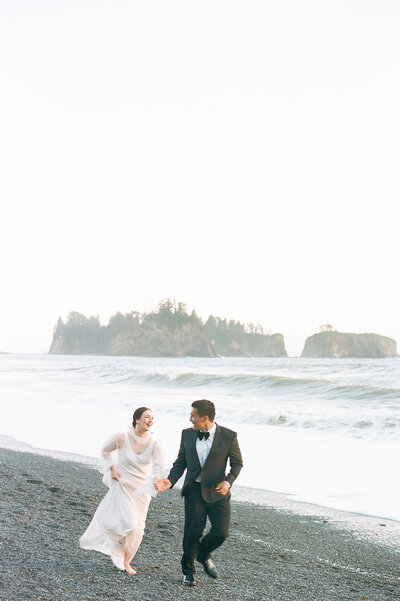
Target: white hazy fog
(241, 157)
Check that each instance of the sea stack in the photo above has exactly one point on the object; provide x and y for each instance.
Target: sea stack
(347, 345)
(169, 332)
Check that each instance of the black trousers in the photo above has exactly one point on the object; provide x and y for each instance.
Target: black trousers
(196, 512)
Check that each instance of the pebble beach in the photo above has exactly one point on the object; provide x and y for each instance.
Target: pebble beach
(272, 554)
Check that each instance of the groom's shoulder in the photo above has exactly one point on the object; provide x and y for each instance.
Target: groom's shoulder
(187, 431)
(226, 431)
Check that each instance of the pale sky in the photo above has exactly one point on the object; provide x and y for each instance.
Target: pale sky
(241, 157)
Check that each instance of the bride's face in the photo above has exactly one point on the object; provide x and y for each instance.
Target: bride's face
(145, 421)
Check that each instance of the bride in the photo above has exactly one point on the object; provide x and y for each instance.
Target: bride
(126, 460)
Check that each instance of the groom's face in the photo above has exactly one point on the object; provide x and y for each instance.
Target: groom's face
(197, 420)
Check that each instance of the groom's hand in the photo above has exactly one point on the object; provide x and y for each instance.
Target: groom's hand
(222, 488)
(162, 485)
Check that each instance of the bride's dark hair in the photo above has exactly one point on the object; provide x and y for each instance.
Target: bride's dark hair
(138, 414)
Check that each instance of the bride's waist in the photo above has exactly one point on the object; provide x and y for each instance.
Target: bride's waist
(134, 474)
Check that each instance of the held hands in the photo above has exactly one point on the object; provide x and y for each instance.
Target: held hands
(114, 474)
(222, 488)
(162, 485)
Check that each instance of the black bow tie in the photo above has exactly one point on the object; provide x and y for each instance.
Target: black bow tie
(202, 435)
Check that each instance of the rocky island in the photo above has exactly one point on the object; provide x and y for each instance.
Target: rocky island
(343, 344)
(169, 332)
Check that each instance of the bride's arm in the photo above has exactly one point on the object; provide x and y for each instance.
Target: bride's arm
(108, 455)
(158, 461)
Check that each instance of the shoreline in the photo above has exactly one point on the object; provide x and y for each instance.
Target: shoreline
(272, 554)
(378, 529)
(299, 356)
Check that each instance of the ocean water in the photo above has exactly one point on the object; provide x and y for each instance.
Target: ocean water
(324, 431)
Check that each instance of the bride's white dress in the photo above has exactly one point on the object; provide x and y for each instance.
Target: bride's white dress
(119, 521)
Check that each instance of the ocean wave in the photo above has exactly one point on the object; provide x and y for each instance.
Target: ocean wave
(378, 427)
(357, 399)
(256, 384)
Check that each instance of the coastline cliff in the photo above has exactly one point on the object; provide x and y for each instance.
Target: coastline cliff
(169, 332)
(343, 344)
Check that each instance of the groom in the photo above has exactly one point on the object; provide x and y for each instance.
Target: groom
(204, 453)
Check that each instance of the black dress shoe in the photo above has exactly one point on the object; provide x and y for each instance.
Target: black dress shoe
(188, 580)
(209, 567)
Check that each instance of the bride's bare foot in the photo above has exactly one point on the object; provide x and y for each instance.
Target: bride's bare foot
(129, 569)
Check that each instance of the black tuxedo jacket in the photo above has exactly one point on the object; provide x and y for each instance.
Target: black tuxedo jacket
(225, 446)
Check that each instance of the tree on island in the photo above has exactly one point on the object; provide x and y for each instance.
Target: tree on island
(326, 327)
(172, 315)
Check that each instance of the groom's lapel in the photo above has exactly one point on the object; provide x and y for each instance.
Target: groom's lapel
(193, 447)
(214, 444)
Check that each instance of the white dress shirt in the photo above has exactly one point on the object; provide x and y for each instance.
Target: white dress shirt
(203, 447)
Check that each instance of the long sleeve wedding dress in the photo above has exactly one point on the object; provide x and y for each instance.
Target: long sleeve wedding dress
(119, 521)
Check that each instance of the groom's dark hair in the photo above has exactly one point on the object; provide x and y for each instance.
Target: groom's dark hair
(204, 407)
